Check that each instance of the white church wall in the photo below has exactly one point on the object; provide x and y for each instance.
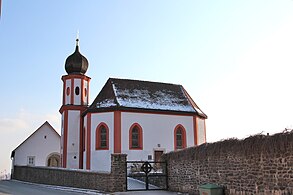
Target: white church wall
(85, 141)
(62, 133)
(40, 145)
(101, 159)
(77, 98)
(67, 96)
(201, 131)
(73, 139)
(158, 133)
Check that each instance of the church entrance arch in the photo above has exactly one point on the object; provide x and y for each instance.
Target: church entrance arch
(54, 160)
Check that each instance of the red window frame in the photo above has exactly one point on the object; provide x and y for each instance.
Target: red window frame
(140, 137)
(98, 137)
(183, 137)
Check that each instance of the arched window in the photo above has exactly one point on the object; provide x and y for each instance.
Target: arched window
(135, 137)
(179, 137)
(102, 137)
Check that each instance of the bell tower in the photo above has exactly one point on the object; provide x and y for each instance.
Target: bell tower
(75, 101)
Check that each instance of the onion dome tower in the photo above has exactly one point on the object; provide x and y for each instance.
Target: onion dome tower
(76, 63)
(75, 101)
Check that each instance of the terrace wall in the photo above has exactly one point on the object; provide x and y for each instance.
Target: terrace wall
(107, 182)
(256, 165)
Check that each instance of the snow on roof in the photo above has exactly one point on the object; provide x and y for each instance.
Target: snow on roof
(159, 100)
(134, 94)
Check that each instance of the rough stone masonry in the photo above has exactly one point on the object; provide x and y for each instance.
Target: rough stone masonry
(259, 164)
(107, 182)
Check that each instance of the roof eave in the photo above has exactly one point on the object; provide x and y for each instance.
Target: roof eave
(131, 109)
(12, 154)
(192, 103)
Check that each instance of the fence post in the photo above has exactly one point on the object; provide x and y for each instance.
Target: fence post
(118, 172)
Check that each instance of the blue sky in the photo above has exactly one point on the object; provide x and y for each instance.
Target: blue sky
(233, 57)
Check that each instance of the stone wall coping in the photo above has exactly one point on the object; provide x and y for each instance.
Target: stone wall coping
(66, 169)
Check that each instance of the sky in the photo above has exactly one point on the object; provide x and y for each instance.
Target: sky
(233, 57)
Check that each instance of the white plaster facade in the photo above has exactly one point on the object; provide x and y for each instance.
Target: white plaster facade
(158, 129)
(157, 133)
(202, 132)
(38, 147)
(101, 159)
(73, 139)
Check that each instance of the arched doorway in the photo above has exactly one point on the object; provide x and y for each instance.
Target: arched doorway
(53, 160)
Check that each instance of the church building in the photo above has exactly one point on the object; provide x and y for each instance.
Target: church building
(142, 119)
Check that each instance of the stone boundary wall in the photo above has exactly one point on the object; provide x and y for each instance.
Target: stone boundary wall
(107, 182)
(256, 165)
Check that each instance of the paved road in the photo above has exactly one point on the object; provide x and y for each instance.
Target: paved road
(12, 187)
(134, 184)
(155, 192)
